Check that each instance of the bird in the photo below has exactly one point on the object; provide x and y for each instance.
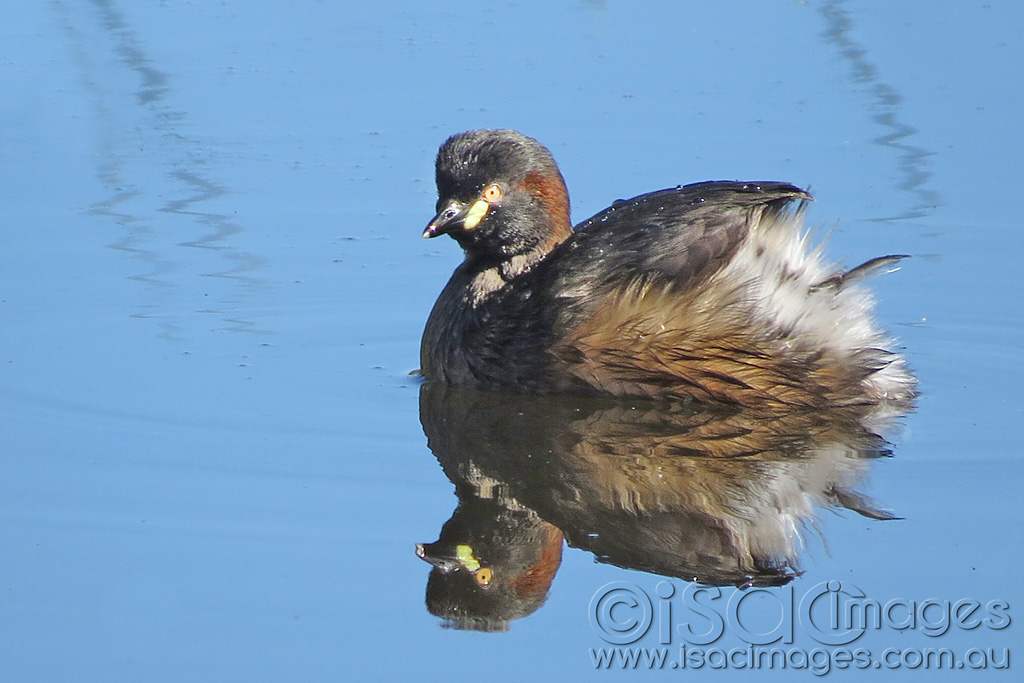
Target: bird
(707, 292)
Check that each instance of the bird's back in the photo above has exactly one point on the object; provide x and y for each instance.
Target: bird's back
(678, 237)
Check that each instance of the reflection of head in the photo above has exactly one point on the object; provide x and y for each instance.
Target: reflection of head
(719, 497)
(491, 565)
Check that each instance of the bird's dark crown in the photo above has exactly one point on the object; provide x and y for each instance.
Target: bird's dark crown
(468, 162)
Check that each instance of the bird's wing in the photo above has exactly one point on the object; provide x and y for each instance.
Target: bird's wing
(677, 236)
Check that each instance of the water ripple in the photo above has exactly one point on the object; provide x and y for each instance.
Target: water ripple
(138, 204)
(912, 159)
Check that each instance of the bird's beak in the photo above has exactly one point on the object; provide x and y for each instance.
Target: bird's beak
(456, 215)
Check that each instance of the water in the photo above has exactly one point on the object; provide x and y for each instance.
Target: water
(212, 288)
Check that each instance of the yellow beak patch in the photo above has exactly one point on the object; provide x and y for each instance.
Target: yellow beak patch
(475, 214)
(464, 553)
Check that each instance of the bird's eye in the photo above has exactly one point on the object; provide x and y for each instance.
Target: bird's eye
(492, 193)
(483, 577)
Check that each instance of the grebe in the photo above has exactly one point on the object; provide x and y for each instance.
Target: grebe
(706, 291)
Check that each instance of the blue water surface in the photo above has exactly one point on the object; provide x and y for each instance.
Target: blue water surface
(212, 288)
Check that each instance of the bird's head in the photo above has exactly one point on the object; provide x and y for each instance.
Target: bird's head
(500, 194)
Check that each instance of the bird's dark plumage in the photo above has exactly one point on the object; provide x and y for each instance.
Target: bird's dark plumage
(704, 291)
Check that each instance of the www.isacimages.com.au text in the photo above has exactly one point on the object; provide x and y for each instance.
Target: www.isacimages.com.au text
(818, 660)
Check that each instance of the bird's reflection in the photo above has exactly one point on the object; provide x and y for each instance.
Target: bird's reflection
(719, 497)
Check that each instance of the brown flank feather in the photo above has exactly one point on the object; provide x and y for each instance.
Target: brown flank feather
(670, 344)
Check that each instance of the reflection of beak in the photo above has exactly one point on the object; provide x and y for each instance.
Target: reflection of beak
(463, 559)
(456, 215)
(444, 564)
